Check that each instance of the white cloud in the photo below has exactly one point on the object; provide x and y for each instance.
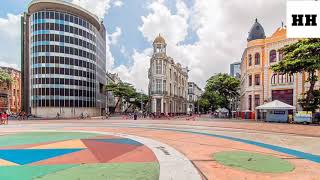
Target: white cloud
(6, 64)
(137, 74)
(115, 36)
(118, 3)
(160, 20)
(10, 41)
(98, 7)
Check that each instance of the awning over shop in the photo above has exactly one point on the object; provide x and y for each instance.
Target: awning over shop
(276, 105)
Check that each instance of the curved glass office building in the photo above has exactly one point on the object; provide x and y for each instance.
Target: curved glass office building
(64, 60)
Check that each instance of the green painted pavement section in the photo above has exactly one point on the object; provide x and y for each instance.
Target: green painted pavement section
(117, 171)
(41, 137)
(253, 161)
(29, 172)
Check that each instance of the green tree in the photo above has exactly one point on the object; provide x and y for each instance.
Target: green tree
(126, 91)
(140, 97)
(221, 89)
(303, 56)
(122, 90)
(5, 78)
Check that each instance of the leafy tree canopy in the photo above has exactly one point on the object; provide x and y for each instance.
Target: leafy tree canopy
(303, 56)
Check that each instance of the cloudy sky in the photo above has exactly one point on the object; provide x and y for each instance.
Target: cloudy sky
(205, 35)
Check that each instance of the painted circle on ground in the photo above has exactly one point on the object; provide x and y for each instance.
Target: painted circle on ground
(253, 162)
(74, 155)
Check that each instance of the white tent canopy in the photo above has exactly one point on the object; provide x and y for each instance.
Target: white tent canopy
(223, 110)
(276, 105)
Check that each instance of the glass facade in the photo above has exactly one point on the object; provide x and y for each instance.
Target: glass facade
(67, 61)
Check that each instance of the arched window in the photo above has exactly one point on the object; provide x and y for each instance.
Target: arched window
(273, 56)
(250, 60)
(273, 79)
(281, 55)
(257, 59)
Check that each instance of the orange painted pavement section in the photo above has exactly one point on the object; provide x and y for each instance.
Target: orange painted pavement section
(81, 157)
(7, 163)
(69, 144)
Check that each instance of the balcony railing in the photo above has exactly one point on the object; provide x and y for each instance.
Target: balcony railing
(159, 93)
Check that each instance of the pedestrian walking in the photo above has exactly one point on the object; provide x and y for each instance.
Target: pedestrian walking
(135, 116)
(1, 120)
(5, 118)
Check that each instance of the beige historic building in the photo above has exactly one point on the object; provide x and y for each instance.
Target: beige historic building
(10, 94)
(168, 82)
(194, 94)
(259, 84)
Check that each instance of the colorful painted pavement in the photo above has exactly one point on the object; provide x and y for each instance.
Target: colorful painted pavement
(72, 155)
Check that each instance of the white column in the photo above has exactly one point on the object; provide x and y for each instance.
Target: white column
(162, 105)
(154, 102)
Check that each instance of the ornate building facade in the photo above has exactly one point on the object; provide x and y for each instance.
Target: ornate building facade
(259, 84)
(10, 94)
(168, 82)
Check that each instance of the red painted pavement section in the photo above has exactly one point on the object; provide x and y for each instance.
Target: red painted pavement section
(104, 151)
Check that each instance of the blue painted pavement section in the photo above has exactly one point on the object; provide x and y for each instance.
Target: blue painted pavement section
(121, 141)
(27, 156)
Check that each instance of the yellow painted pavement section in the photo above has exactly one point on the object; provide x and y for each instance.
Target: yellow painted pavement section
(70, 144)
(7, 163)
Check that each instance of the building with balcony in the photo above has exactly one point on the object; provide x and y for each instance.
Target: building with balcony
(168, 82)
(63, 60)
(10, 92)
(259, 84)
(194, 94)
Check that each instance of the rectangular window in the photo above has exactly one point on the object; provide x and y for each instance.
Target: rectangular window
(257, 79)
(257, 100)
(158, 67)
(250, 80)
(250, 103)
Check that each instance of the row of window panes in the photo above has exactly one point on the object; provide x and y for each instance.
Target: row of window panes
(61, 92)
(62, 81)
(256, 59)
(64, 50)
(256, 101)
(256, 80)
(63, 71)
(63, 28)
(62, 103)
(63, 39)
(282, 78)
(62, 60)
(63, 17)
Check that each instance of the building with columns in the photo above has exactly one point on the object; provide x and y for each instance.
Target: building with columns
(168, 82)
(259, 84)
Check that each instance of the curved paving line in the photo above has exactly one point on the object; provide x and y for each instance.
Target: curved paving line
(299, 154)
(173, 164)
